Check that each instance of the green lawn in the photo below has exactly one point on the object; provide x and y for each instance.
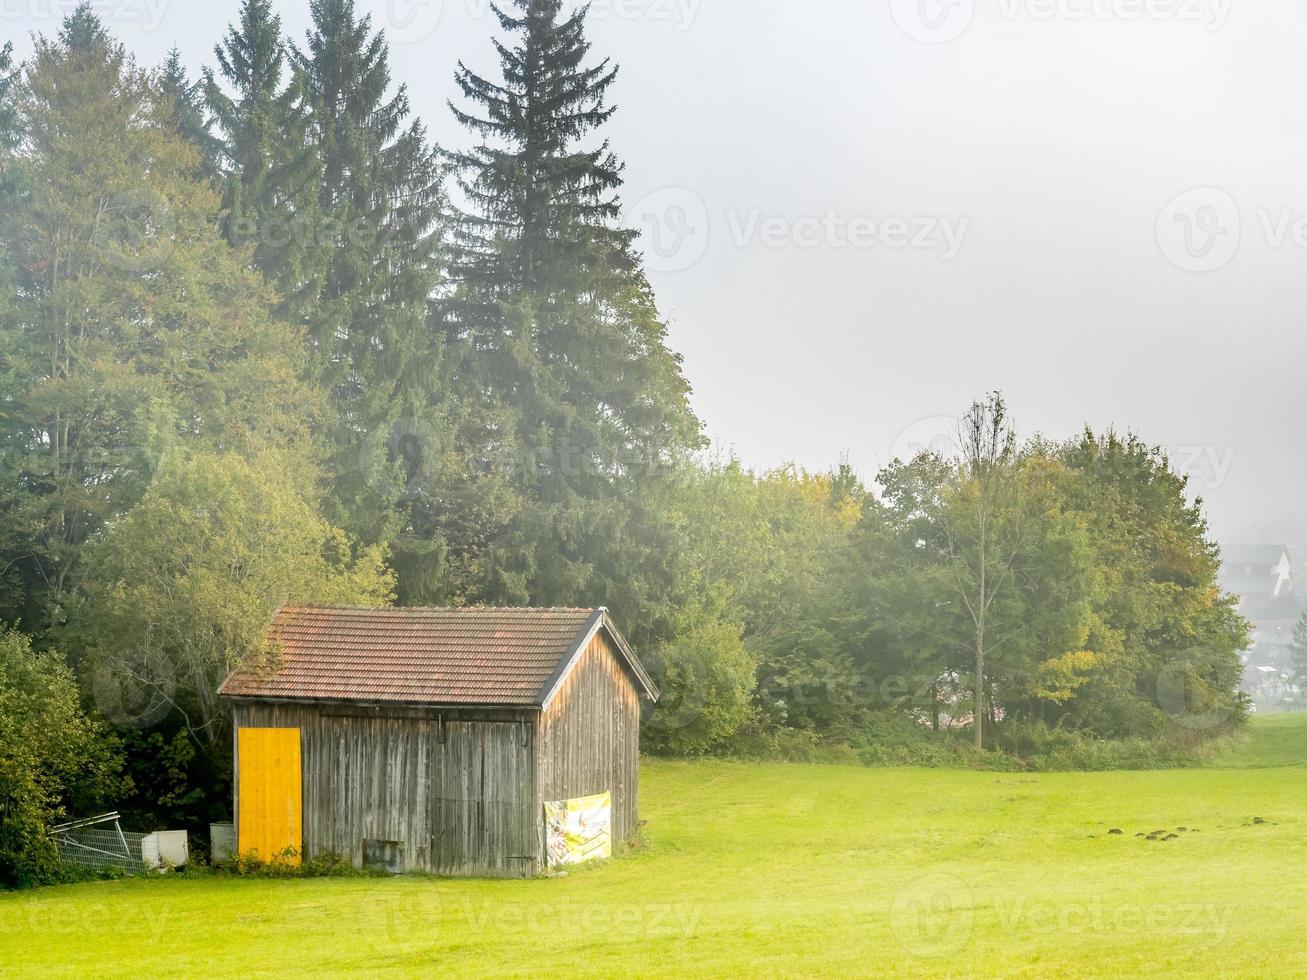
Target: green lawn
(767, 870)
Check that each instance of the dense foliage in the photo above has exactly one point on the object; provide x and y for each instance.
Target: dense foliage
(53, 759)
(1089, 586)
(1298, 657)
(179, 592)
(133, 327)
(253, 349)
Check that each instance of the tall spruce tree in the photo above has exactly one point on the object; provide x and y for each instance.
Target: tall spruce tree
(270, 172)
(8, 117)
(83, 29)
(190, 115)
(540, 203)
(380, 194)
(10, 137)
(554, 323)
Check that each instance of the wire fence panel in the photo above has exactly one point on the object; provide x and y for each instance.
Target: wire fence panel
(99, 844)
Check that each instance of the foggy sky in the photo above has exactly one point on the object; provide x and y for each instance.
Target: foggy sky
(861, 216)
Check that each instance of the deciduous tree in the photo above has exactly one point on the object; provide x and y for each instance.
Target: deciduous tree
(52, 758)
(134, 325)
(182, 589)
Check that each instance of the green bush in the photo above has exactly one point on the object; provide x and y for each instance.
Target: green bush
(52, 758)
(758, 743)
(890, 739)
(282, 865)
(897, 739)
(1039, 747)
(707, 678)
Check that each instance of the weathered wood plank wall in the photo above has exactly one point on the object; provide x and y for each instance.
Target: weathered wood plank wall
(457, 789)
(590, 737)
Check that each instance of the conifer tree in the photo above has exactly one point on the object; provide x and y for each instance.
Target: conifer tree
(380, 193)
(8, 118)
(9, 140)
(270, 173)
(83, 29)
(553, 321)
(1298, 657)
(190, 113)
(538, 197)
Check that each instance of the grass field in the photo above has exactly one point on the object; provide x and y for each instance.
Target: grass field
(766, 870)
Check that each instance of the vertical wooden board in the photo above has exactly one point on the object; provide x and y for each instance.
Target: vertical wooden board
(464, 804)
(589, 738)
(270, 793)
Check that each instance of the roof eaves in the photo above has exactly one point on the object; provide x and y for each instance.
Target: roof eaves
(600, 620)
(565, 664)
(374, 702)
(637, 668)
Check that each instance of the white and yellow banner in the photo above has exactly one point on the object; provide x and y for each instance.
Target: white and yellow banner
(579, 830)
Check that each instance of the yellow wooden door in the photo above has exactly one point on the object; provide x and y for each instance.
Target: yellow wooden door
(269, 794)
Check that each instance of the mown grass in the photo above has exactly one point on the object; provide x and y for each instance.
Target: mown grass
(774, 869)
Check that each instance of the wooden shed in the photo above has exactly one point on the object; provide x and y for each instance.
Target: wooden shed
(449, 741)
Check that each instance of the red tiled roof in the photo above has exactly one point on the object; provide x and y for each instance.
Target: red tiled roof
(473, 656)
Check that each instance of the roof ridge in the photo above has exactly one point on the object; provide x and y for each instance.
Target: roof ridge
(414, 609)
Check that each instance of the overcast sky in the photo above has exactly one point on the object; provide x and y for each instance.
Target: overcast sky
(861, 215)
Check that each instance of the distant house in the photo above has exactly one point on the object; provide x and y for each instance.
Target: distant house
(1263, 579)
(1257, 572)
(450, 741)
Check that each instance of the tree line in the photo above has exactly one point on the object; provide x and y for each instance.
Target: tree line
(263, 339)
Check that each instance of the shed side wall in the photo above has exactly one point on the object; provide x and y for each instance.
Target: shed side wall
(590, 737)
